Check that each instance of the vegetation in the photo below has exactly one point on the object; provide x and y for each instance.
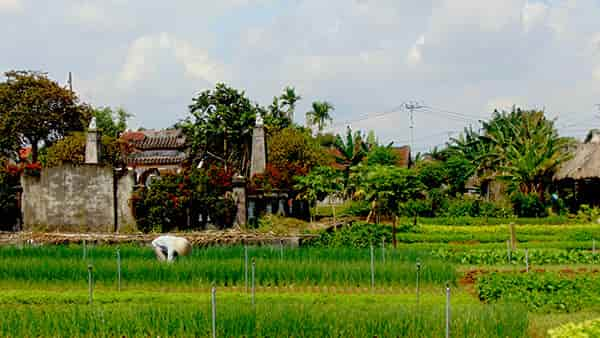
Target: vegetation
(35, 109)
(589, 328)
(541, 291)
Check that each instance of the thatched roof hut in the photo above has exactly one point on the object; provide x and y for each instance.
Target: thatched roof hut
(585, 163)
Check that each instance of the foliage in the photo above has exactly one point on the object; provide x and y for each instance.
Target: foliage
(356, 208)
(588, 214)
(162, 206)
(9, 181)
(221, 122)
(71, 149)
(320, 114)
(526, 149)
(293, 152)
(35, 109)
(382, 155)
(112, 122)
(528, 205)
(319, 183)
(385, 187)
(586, 329)
(499, 256)
(540, 291)
(351, 151)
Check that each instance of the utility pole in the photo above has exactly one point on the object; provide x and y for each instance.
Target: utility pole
(411, 107)
(70, 82)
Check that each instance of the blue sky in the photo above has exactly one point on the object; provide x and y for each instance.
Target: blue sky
(460, 58)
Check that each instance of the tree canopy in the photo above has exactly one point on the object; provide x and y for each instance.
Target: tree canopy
(35, 109)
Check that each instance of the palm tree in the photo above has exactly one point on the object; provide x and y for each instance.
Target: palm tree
(351, 152)
(320, 114)
(288, 100)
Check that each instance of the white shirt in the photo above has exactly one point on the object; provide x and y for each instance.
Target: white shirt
(169, 243)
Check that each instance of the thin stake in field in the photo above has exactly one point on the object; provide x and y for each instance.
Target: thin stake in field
(508, 253)
(372, 269)
(418, 288)
(118, 269)
(253, 271)
(447, 310)
(281, 248)
(91, 283)
(246, 266)
(214, 310)
(594, 247)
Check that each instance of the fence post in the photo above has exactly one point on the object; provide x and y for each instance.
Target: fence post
(527, 260)
(281, 248)
(90, 283)
(246, 266)
(447, 310)
(383, 250)
(214, 310)
(508, 255)
(118, 269)
(593, 247)
(418, 287)
(84, 250)
(253, 271)
(372, 269)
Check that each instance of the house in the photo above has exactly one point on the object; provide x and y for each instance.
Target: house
(403, 154)
(151, 153)
(579, 178)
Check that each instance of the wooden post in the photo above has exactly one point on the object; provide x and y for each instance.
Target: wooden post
(513, 236)
(90, 283)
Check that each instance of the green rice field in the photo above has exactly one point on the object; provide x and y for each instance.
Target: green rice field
(307, 291)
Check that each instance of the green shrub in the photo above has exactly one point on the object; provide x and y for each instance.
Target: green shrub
(355, 234)
(528, 205)
(356, 208)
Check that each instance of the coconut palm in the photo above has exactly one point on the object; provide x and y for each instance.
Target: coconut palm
(320, 114)
(288, 101)
(350, 152)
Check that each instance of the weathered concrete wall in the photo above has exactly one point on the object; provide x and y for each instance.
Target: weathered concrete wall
(74, 198)
(125, 187)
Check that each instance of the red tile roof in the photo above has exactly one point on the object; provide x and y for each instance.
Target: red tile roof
(156, 139)
(156, 147)
(403, 153)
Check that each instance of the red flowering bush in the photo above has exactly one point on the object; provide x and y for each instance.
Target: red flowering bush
(176, 201)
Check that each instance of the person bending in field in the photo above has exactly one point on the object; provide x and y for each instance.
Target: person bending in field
(167, 248)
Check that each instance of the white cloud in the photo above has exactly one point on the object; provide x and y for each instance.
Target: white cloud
(533, 15)
(147, 53)
(10, 5)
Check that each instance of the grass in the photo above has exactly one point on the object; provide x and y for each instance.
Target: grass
(154, 314)
(223, 266)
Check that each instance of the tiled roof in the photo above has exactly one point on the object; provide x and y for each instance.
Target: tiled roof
(155, 139)
(151, 157)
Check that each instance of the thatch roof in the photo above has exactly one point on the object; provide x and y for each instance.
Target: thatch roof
(585, 163)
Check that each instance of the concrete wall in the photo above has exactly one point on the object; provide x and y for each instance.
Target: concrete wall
(75, 198)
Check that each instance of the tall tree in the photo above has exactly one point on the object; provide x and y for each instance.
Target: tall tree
(526, 149)
(320, 114)
(350, 151)
(112, 122)
(289, 98)
(35, 109)
(221, 122)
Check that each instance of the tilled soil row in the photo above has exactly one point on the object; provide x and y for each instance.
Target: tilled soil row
(204, 238)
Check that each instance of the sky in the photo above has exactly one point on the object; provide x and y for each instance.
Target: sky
(457, 59)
